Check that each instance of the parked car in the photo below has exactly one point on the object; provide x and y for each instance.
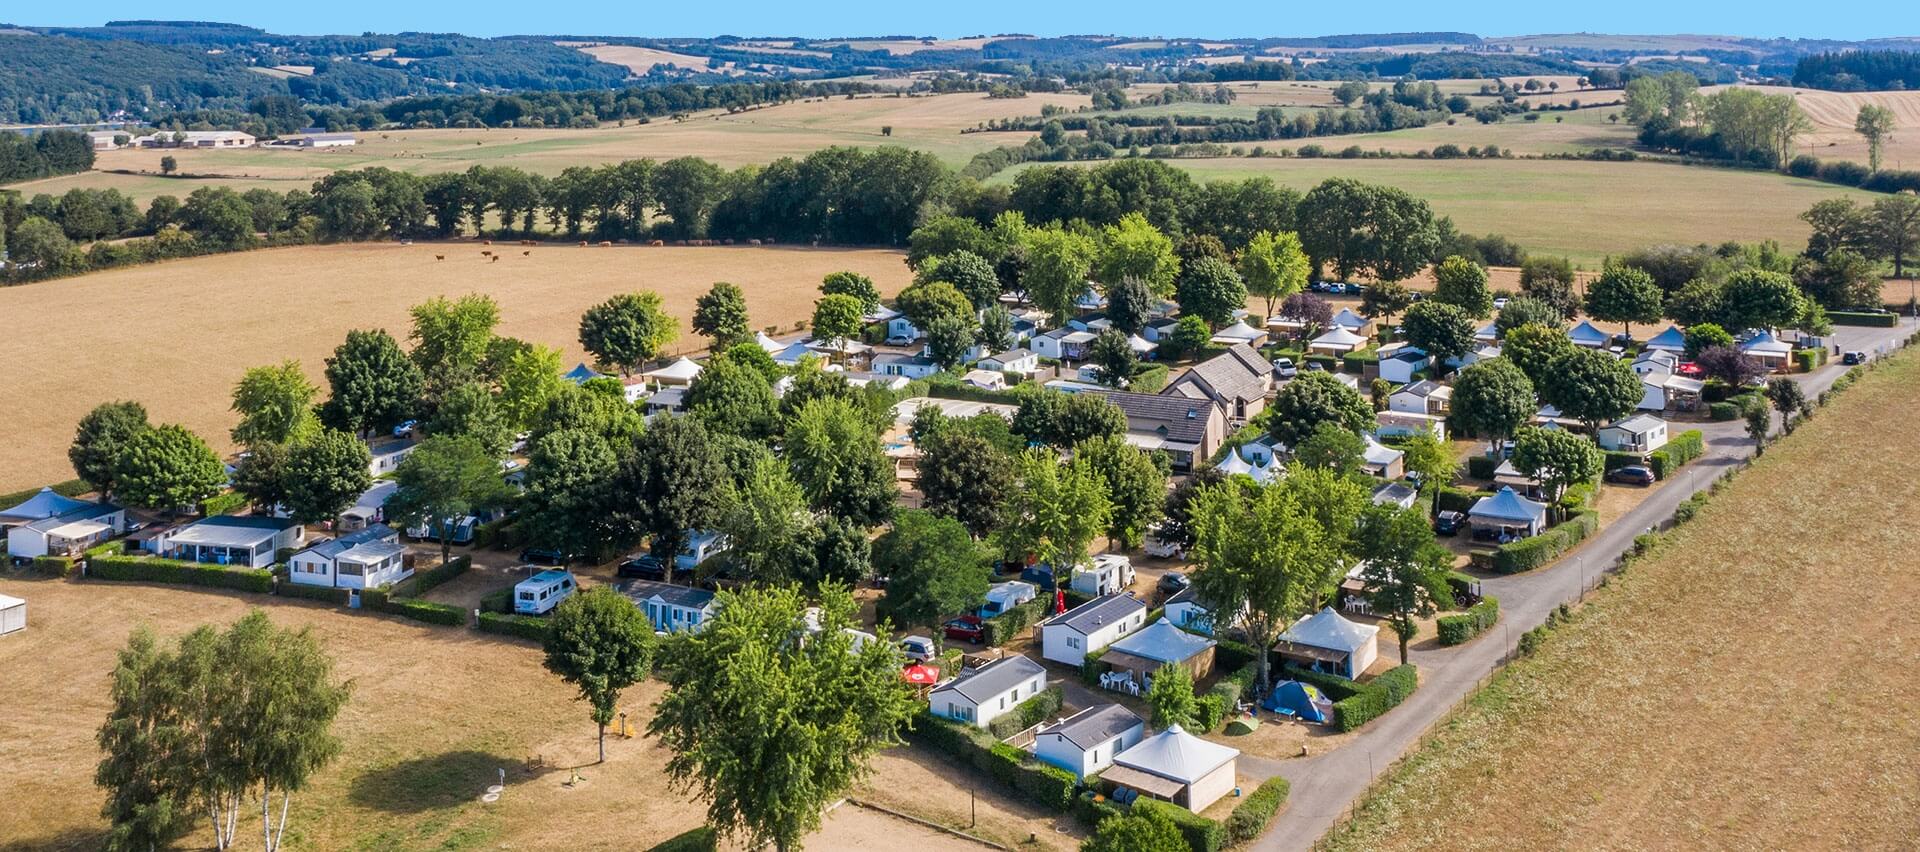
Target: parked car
(899, 340)
(1285, 368)
(1854, 357)
(918, 648)
(1631, 475)
(646, 566)
(1316, 367)
(966, 628)
(1172, 583)
(405, 430)
(1449, 523)
(545, 556)
(1040, 576)
(1500, 303)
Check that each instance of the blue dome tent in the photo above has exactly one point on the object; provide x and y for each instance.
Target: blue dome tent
(1300, 700)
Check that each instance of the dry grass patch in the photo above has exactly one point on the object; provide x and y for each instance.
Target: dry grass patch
(640, 60)
(1748, 686)
(177, 335)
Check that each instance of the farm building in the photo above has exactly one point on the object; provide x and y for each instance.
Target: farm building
(1641, 433)
(369, 558)
(197, 139)
(1158, 645)
(13, 615)
(317, 140)
(251, 541)
(1327, 642)
(1237, 379)
(1087, 742)
(671, 609)
(1178, 767)
(1508, 514)
(981, 695)
(1070, 636)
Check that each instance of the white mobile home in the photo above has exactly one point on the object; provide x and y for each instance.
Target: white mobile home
(388, 456)
(671, 609)
(1070, 636)
(1641, 433)
(13, 615)
(1087, 742)
(250, 541)
(979, 696)
(1109, 573)
(68, 533)
(1005, 596)
(540, 593)
(369, 558)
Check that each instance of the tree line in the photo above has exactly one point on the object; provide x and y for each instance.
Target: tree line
(1859, 70)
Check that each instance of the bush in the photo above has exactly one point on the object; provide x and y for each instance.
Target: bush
(1202, 834)
(700, 839)
(1533, 552)
(523, 626)
(499, 534)
(1357, 362)
(148, 569)
(1046, 785)
(1250, 817)
(1480, 466)
(1027, 713)
(1229, 654)
(1150, 378)
(1005, 627)
(324, 594)
(1328, 361)
(1723, 411)
(1376, 698)
(1092, 813)
(1874, 319)
(1616, 459)
(1690, 507)
(52, 566)
(423, 582)
(498, 602)
(1459, 499)
(1457, 629)
(379, 600)
(1805, 360)
(223, 504)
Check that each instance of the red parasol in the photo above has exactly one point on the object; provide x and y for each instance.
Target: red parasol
(1059, 601)
(920, 674)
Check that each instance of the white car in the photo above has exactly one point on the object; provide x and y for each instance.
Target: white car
(918, 648)
(900, 340)
(1284, 368)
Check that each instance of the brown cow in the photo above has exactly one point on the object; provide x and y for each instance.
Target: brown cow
(527, 253)
(439, 257)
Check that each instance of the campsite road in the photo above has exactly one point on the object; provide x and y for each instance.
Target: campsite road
(1324, 787)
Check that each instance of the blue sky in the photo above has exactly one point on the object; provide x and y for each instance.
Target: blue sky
(1847, 19)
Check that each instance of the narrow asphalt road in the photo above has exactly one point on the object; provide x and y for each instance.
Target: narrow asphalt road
(1325, 786)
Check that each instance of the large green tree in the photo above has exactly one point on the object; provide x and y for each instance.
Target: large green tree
(531, 378)
(166, 467)
(1312, 399)
(1404, 573)
(1462, 283)
(1493, 399)
(720, 314)
(627, 331)
(445, 479)
(672, 481)
(1358, 228)
(1591, 386)
(1134, 248)
(969, 273)
(1533, 347)
(1057, 264)
(805, 717)
(732, 397)
(1758, 298)
(1112, 358)
(1626, 295)
(374, 385)
(860, 287)
(275, 404)
(839, 462)
(1874, 123)
(472, 410)
(836, 318)
(934, 569)
(324, 474)
(965, 477)
(601, 643)
(1556, 458)
(450, 337)
(567, 473)
(1212, 290)
(100, 438)
(1274, 267)
(1444, 330)
(1136, 483)
(1056, 512)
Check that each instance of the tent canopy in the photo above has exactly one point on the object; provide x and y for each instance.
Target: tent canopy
(1671, 340)
(1505, 505)
(1175, 754)
(43, 504)
(1162, 642)
(1339, 336)
(1327, 630)
(1303, 700)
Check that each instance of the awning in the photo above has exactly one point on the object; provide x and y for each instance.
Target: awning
(78, 530)
(1150, 784)
(1130, 662)
(1308, 652)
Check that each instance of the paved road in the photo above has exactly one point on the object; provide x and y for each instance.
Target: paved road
(1325, 786)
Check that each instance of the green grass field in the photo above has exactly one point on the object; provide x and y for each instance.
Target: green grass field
(1583, 210)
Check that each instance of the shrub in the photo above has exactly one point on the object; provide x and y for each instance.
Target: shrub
(498, 602)
(1459, 499)
(148, 569)
(1356, 362)
(1328, 361)
(1457, 629)
(423, 582)
(1003, 628)
(1149, 379)
(1873, 319)
(1092, 813)
(1028, 713)
(1046, 785)
(1232, 655)
(1530, 553)
(1723, 411)
(500, 534)
(324, 594)
(53, 566)
(223, 504)
(1202, 834)
(1690, 507)
(379, 600)
(524, 626)
(1250, 817)
(1805, 360)
(701, 839)
(1616, 459)
(1376, 698)
(1480, 466)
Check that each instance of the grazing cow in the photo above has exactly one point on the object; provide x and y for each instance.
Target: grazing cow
(606, 244)
(486, 254)
(657, 243)
(486, 242)
(439, 257)
(583, 243)
(753, 242)
(495, 258)
(527, 253)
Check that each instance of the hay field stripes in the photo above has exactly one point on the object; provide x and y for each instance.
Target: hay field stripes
(1740, 688)
(1833, 114)
(170, 335)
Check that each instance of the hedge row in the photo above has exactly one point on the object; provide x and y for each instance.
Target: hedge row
(1092, 813)
(149, 569)
(1005, 627)
(1046, 785)
(1250, 817)
(1217, 703)
(1201, 834)
(1682, 448)
(1535, 551)
(1460, 499)
(1042, 706)
(500, 533)
(423, 582)
(1690, 507)
(523, 626)
(53, 566)
(1457, 629)
(326, 594)
(1873, 319)
(1481, 466)
(1376, 697)
(223, 504)
(1616, 459)
(498, 602)
(700, 839)
(1150, 378)
(378, 600)
(1807, 360)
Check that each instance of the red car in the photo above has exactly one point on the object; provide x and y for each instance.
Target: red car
(966, 628)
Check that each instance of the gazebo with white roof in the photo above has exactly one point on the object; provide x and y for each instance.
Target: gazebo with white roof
(1336, 341)
(680, 373)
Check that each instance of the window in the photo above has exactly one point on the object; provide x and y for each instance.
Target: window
(1073, 642)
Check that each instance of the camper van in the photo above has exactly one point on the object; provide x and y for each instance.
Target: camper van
(1110, 573)
(430, 530)
(541, 592)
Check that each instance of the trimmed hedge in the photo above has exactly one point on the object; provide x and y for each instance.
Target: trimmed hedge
(1616, 459)
(1480, 466)
(1328, 361)
(1003, 628)
(324, 594)
(149, 569)
(1690, 507)
(1872, 319)
(1453, 499)
(1202, 834)
(53, 566)
(1250, 817)
(1041, 783)
(1229, 654)
(379, 600)
(1216, 705)
(523, 626)
(1091, 813)
(423, 582)
(1457, 629)
(1682, 448)
(1150, 378)
(1722, 411)
(1375, 698)
(700, 839)
(498, 602)
(223, 504)
(1535, 551)
(1027, 713)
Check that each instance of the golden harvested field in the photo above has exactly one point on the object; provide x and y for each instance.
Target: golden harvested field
(435, 713)
(176, 336)
(1741, 688)
(1833, 114)
(640, 60)
(899, 47)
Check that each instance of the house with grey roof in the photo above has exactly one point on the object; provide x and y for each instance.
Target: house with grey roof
(1188, 430)
(69, 533)
(1070, 636)
(251, 541)
(1238, 379)
(979, 696)
(368, 558)
(911, 366)
(671, 608)
(1086, 742)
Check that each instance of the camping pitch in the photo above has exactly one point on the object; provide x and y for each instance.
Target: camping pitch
(1302, 701)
